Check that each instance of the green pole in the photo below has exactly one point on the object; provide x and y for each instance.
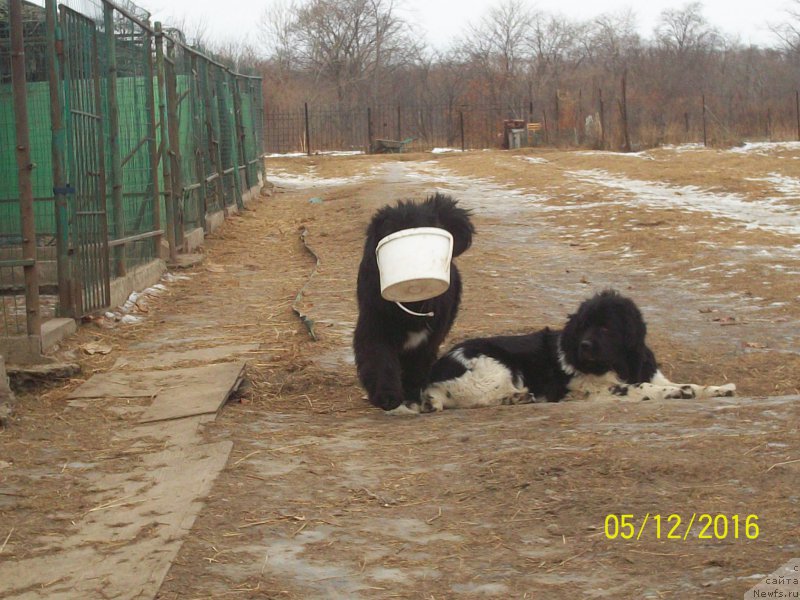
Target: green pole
(165, 146)
(212, 136)
(174, 143)
(197, 138)
(237, 133)
(152, 144)
(113, 139)
(58, 145)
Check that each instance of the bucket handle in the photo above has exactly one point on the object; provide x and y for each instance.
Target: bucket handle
(416, 314)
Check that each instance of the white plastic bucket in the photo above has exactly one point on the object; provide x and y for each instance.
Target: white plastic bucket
(415, 263)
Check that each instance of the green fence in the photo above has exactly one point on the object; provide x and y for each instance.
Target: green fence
(134, 138)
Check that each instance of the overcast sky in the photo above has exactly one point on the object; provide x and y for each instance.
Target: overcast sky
(443, 20)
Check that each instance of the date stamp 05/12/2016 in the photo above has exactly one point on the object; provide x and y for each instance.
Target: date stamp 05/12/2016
(704, 526)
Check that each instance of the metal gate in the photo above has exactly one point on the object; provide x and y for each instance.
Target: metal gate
(87, 173)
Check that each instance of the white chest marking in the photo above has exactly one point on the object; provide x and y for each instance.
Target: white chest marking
(415, 339)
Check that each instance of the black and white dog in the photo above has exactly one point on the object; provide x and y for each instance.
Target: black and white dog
(394, 350)
(600, 351)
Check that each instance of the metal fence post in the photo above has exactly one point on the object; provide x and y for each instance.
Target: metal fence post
(173, 124)
(705, 138)
(24, 167)
(369, 130)
(201, 150)
(165, 145)
(797, 111)
(236, 133)
(113, 138)
(623, 109)
(152, 143)
(240, 134)
(399, 128)
(602, 118)
(308, 131)
(212, 127)
(58, 149)
(461, 126)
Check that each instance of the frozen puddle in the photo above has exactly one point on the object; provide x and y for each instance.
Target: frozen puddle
(772, 214)
(486, 196)
(311, 180)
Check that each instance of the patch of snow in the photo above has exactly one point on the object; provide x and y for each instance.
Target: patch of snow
(155, 290)
(320, 153)
(693, 147)
(788, 186)
(534, 159)
(764, 147)
(643, 154)
(286, 155)
(770, 214)
(489, 197)
(299, 182)
(443, 150)
(170, 278)
(131, 320)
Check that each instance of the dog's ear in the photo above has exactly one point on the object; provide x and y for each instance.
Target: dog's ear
(639, 356)
(375, 228)
(569, 338)
(454, 219)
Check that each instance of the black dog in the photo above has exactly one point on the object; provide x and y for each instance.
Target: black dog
(601, 350)
(394, 350)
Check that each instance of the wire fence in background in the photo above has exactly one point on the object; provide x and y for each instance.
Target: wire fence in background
(605, 119)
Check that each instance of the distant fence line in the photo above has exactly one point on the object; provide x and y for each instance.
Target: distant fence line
(615, 121)
(124, 135)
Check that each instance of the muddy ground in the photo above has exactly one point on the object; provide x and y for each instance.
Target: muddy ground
(325, 497)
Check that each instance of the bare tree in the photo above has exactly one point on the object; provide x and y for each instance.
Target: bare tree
(497, 44)
(789, 32)
(685, 32)
(554, 42)
(613, 41)
(240, 55)
(275, 33)
(351, 42)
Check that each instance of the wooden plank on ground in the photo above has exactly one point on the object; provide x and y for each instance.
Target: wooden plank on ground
(124, 546)
(176, 393)
(196, 391)
(115, 385)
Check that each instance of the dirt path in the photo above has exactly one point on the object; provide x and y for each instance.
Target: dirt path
(324, 497)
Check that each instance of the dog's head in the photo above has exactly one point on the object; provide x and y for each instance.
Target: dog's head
(606, 334)
(438, 210)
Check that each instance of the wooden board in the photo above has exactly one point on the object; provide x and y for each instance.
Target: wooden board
(176, 393)
(195, 391)
(124, 546)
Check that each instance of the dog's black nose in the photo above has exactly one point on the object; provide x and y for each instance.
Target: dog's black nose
(586, 349)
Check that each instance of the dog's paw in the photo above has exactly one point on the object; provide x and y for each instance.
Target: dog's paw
(431, 403)
(521, 398)
(404, 410)
(620, 390)
(679, 392)
(722, 391)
